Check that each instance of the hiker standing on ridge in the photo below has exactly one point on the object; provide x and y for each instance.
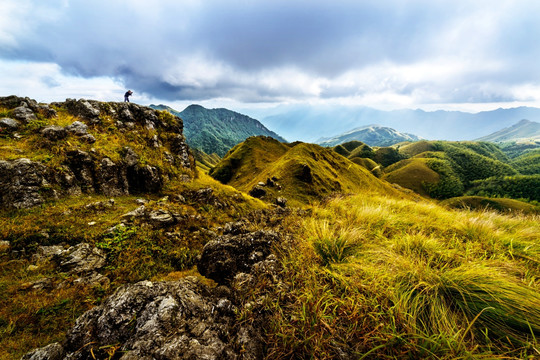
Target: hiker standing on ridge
(127, 95)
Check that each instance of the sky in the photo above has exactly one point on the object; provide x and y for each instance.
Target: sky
(260, 54)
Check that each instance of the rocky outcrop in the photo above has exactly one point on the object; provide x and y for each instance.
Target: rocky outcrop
(24, 114)
(87, 171)
(54, 133)
(26, 108)
(160, 320)
(82, 262)
(229, 255)
(21, 183)
(182, 319)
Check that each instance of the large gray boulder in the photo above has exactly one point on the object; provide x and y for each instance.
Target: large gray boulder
(160, 320)
(54, 132)
(77, 128)
(24, 114)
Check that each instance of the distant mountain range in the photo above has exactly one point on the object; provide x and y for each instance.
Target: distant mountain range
(309, 123)
(373, 135)
(522, 131)
(217, 130)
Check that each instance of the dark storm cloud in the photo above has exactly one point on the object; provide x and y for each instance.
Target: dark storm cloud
(270, 50)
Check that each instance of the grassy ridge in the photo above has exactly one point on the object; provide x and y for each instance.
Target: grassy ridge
(304, 171)
(381, 278)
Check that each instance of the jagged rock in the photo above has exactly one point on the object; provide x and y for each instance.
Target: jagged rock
(223, 258)
(130, 157)
(100, 205)
(12, 101)
(41, 284)
(157, 218)
(77, 128)
(270, 182)
(162, 320)
(161, 218)
(21, 182)
(46, 111)
(67, 181)
(82, 258)
(54, 351)
(115, 228)
(137, 213)
(180, 148)
(82, 165)
(257, 192)
(112, 178)
(24, 114)
(154, 142)
(168, 157)
(144, 179)
(54, 133)
(9, 124)
(281, 202)
(82, 108)
(126, 115)
(203, 196)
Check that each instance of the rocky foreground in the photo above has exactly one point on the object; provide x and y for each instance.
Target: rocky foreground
(183, 319)
(191, 318)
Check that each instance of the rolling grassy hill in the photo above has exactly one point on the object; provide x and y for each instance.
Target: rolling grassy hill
(303, 171)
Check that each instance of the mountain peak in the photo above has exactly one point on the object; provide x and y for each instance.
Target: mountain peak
(218, 130)
(523, 130)
(373, 135)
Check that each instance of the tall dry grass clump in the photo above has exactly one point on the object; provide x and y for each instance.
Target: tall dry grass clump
(383, 278)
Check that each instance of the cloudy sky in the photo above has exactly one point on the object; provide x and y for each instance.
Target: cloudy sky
(240, 54)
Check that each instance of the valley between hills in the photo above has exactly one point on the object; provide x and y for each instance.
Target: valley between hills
(120, 239)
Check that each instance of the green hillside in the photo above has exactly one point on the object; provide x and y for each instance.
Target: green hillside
(457, 164)
(525, 129)
(515, 187)
(528, 163)
(303, 172)
(217, 130)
